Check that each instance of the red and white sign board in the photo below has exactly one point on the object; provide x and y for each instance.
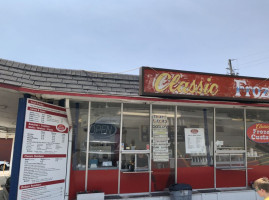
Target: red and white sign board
(195, 140)
(163, 82)
(259, 132)
(44, 152)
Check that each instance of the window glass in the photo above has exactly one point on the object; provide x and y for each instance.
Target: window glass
(230, 134)
(163, 148)
(195, 136)
(163, 134)
(135, 162)
(135, 130)
(79, 114)
(257, 137)
(104, 135)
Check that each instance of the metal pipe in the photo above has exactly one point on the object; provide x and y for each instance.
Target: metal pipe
(245, 132)
(69, 149)
(150, 145)
(120, 148)
(175, 136)
(87, 148)
(214, 146)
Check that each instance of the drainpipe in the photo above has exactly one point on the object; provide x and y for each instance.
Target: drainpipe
(69, 150)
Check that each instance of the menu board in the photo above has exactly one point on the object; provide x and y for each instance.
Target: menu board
(44, 152)
(195, 140)
(160, 138)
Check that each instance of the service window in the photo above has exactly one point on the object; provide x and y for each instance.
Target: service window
(135, 130)
(230, 148)
(104, 135)
(230, 131)
(135, 149)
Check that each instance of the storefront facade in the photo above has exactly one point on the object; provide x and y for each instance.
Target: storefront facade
(209, 131)
(240, 160)
(206, 144)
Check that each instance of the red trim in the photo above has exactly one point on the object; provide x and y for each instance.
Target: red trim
(27, 90)
(44, 156)
(46, 127)
(42, 104)
(40, 184)
(162, 178)
(230, 178)
(76, 183)
(134, 182)
(256, 172)
(103, 180)
(197, 177)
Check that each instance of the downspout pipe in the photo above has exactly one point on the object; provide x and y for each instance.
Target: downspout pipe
(69, 149)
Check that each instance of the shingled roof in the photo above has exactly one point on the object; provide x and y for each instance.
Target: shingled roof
(65, 80)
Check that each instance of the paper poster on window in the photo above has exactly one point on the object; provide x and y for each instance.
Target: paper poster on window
(160, 138)
(195, 140)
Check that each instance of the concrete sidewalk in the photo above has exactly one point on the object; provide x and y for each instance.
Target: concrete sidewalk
(3, 177)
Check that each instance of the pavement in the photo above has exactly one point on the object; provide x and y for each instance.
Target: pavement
(3, 177)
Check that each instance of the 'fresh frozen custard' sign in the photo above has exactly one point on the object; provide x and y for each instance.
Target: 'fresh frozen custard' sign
(162, 82)
(259, 132)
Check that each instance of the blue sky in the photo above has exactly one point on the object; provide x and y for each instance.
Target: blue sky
(123, 35)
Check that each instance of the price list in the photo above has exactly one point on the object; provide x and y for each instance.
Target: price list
(44, 152)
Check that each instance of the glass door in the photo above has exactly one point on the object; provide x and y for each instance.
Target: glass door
(230, 152)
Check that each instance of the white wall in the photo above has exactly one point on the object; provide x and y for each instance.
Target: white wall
(225, 195)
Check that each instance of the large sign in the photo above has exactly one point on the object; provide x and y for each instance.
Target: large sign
(259, 132)
(44, 152)
(162, 82)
